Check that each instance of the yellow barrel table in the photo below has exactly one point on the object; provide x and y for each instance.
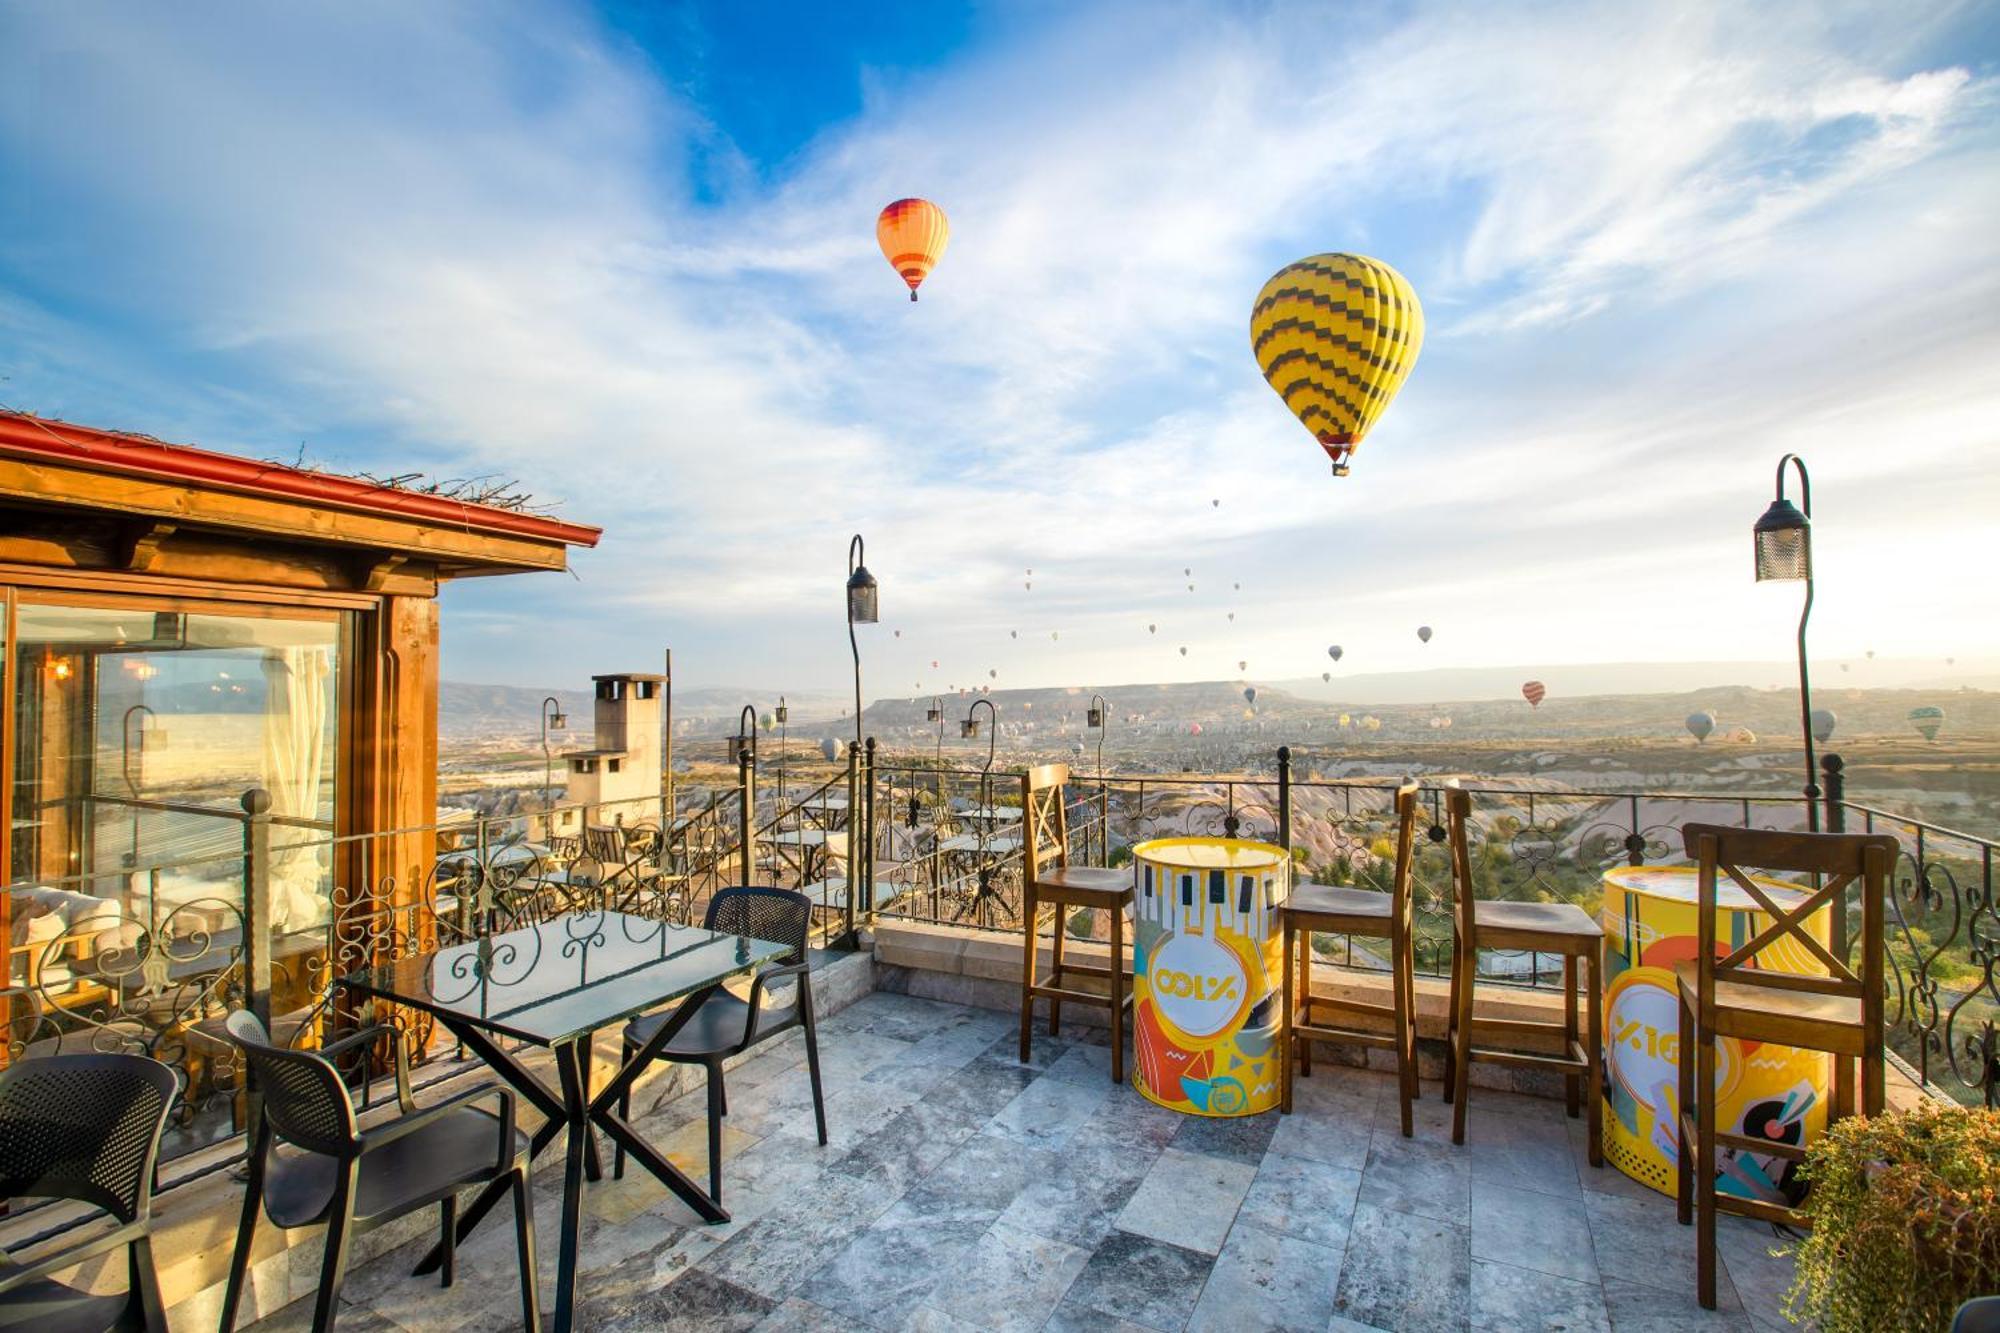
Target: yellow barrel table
(1206, 967)
(1765, 1091)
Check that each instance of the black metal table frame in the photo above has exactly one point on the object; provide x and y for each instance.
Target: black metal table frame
(577, 1111)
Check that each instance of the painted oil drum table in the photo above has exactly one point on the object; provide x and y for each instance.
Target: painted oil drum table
(1206, 972)
(1765, 1091)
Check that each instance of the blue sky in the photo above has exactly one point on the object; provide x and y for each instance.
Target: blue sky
(626, 255)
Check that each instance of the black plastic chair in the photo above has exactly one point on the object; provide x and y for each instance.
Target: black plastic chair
(727, 1025)
(330, 1170)
(84, 1127)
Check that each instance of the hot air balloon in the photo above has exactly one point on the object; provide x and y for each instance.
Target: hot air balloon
(1053, 635)
(934, 664)
(1183, 652)
(1237, 586)
(994, 673)
(1326, 675)
(1242, 666)
(1345, 719)
(1534, 692)
(1013, 634)
(1194, 728)
(1336, 335)
(1028, 587)
(766, 721)
(1190, 587)
(912, 234)
(1215, 504)
(1871, 654)
(1187, 572)
(1232, 617)
(1250, 694)
(1823, 722)
(1335, 652)
(1700, 724)
(1424, 633)
(1927, 720)
(830, 748)
(1152, 629)
(1029, 572)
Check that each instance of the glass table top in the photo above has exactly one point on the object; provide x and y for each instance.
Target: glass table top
(565, 978)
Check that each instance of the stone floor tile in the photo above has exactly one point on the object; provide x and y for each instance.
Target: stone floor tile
(929, 1319)
(699, 1301)
(1338, 1135)
(1126, 1120)
(1047, 1113)
(984, 1176)
(1079, 1200)
(1263, 1280)
(1073, 1318)
(1188, 1199)
(1146, 1282)
(979, 1089)
(777, 1253)
(1638, 1240)
(886, 1271)
(1759, 1266)
(1505, 1298)
(1402, 1271)
(1638, 1308)
(1083, 1064)
(1523, 1153)
(913, 1143)
(1011, 1282)
(1043, 1050)
(1298, 1197)
(1428, 1177)
(1544, 1232)
(1242, 1138)
(797, 1316)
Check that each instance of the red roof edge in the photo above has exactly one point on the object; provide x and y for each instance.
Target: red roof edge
(136, 455)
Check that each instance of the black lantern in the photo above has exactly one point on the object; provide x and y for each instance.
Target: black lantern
(553, 719)
(1783, 541)
(862, 609)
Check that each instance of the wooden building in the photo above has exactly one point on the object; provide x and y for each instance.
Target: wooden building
(183, 626)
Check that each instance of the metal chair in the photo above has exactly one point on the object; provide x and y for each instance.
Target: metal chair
(1561, 929)
(84, 1127)
(331, 1170)
(1335, 909)
(1744, 991)
(1047, 878)
(727, 1025)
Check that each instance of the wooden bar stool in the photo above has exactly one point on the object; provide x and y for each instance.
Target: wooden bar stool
(1048, 879)
(1731, 992)
(1553, 928)
(1334, 909)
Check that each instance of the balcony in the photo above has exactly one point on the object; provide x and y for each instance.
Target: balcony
(963, 1189)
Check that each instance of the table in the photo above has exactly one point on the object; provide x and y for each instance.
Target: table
(1776, 1092)
(554, 985)
(1207, 961)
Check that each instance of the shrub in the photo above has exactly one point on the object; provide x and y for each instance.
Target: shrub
(1905, 1211)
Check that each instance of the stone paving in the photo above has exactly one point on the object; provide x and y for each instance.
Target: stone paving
(962, 1189)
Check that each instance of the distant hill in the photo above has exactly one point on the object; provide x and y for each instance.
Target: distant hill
(492, 712)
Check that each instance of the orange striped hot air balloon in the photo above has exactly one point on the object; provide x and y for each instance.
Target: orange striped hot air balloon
(1335, 336)
(912, 234)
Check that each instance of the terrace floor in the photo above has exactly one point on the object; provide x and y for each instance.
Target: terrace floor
(964, 1190)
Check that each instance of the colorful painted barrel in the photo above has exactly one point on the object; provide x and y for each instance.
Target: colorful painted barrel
(1206, 972)
(1766, 1091)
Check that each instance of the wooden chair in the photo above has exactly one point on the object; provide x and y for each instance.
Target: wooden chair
(1048, 879)
(1563, 929)
(1732, 994)
(1334, 909)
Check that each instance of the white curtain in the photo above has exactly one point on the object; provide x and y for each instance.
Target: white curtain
(295, 702)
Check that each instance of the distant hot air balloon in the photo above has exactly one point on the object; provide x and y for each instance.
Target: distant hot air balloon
(1053, 634)
(1335, 652)
(1871, 654)
(1534, 692)
(830, 748)
(1232, 617)
(1237, 586)
(1187, 572)
(1927, 720)
(1194, 728)
(1013, 634)
(1183, 652)
(1029, 572)
(1028, 586)
(934, 664)
(1250, 694)
(1424, 633)
(896, 633)
(1152, 629)
(1700, 724)
(766, 721)
(1345, 719)
(994, 673)
(1336, 335)
(1215, 504)
(1823, 722)
(912, 234)
(1242, 666)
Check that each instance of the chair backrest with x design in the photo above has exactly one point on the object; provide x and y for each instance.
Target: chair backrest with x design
(1838, 860)
(1045, 818)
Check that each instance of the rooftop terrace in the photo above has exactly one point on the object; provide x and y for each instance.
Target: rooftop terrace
(962, 1189)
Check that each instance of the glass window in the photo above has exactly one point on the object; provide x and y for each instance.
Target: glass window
(137, 732)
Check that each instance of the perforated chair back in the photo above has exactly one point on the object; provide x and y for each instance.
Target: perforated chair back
(84, 1127)
(778, 916)
(304, 1100)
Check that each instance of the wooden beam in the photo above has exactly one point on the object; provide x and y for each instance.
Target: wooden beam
(139, 549)
(374, 573)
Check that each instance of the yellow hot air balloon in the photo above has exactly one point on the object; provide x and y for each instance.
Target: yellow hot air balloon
(1335, 336)
(912, 234)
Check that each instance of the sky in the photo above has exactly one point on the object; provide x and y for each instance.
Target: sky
(624, 255)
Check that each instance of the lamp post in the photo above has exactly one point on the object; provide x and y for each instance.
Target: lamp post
(1099, 716)
(553, 719)
(743, 749)
(784, 715)
(983, 815)
(1783, 541)
(862, 609)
